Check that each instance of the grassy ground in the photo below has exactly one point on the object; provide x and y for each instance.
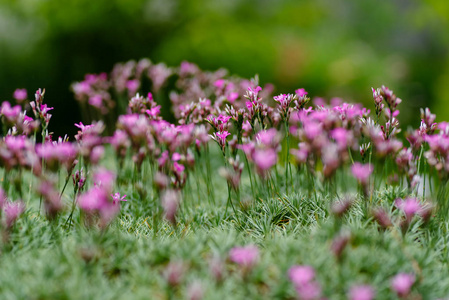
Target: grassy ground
(130, 260)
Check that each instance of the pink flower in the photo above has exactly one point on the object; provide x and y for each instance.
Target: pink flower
(410, 206)
(245, 256)
(116, 198)
(104, 178)
(20, 95)
(219, 83)
(343, 137)
(268, 137)
(301, 93)
(96, 101)
(303, 278)
(12, 211)
(170, 203)
(264, 159)
(362, 172)
(132, 86)
(179, 168)
(301, 275)
(309, 291)
(402, 283)
(361, 292)
(220, 138)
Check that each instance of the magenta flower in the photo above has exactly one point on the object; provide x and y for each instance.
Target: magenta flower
(12, 211)
(93, 200)
(132, 86)
(362, 172)
(309, 291)
(220, 138)
(219, 83)
(104, 178)
(343, 137)
(170, 202)
(300, 275)
(116, 198)
(10, 113)
(361, 292)
(402, 283)
(301, 93)
(268, 137)
(20, 95)
(410, 207)
(178, 168)
(246, 256)
(264, 159)
(303, 278)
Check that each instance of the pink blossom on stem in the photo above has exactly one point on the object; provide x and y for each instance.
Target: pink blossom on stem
(116, 198)
(246, 256)
(300, 275)
(170, 202)
(264, 159)
(362, 172)
(220, 138)
(20, 95)
(361, 292)
(402, 283)
(410, 206)
(303, 278)
(301, 92)
(12, 211)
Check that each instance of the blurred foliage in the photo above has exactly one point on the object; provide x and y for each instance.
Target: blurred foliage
(333, 48)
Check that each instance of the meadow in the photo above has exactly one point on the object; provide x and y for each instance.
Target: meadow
(191, 184)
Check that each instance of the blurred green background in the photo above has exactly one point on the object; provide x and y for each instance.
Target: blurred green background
(333, 48)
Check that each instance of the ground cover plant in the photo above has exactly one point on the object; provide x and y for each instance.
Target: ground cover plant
(187, 184)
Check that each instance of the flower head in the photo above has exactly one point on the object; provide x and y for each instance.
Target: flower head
(116, 198)
(245, 256)
(410, 206)
(20, 95)
(12, 211)
(402, 283)
(362, 172)
(361, 292)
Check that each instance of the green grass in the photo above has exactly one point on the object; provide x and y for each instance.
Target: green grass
(44, 260)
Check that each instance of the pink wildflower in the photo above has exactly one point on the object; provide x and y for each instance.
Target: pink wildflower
(362, 172)
(309, 291)
(264, 159)
(303, 278)
(300, 275)
(410, 206)
(12, 211)
(402, 284)
(116, 198)
(104, 178)
(361, 292)
(220, 138)
(170, 202)
(245, 256)
(20, 95)
(301, 93)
